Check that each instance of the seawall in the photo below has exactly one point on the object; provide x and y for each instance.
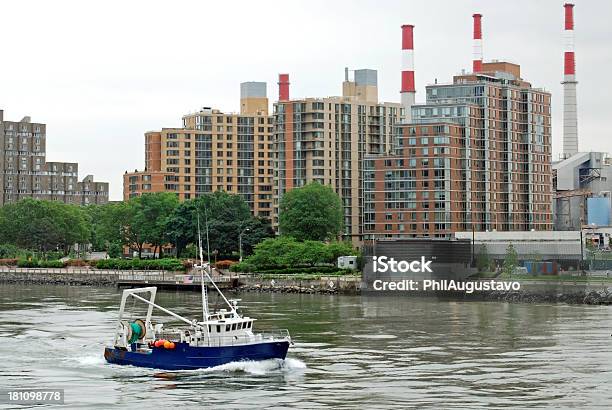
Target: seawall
(59, 277)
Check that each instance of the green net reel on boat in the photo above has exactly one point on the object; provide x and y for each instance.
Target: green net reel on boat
(135, 331)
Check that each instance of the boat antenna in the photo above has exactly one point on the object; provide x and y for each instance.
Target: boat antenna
(208, 275)
(203, 284)
(207, 240)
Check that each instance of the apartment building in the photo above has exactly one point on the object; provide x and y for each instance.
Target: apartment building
(25, 173)
(476, 156)
(326, 139)
(213, 151)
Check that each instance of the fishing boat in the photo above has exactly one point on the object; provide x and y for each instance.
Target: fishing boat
(220, 337)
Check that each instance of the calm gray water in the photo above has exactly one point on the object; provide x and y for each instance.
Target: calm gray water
(350, 352)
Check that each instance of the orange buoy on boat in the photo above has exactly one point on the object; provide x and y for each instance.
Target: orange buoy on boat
(172, 345)
(167, 344)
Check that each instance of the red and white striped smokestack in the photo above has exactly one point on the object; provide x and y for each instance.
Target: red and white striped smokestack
(477, 62)
(408, 90)
(570, 106)
(283, 87)
(570, 64)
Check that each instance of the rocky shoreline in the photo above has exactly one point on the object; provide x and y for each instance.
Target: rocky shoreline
(578, 297)
(287, 289)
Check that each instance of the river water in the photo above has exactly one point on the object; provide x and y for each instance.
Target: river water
(349, 351)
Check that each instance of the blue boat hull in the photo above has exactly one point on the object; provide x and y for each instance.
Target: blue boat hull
(185, 357)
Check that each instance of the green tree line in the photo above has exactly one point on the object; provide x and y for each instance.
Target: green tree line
(156, 219)
(311, 223)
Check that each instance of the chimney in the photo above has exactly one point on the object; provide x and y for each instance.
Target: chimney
(570, 112)
(408, 91)
(477, 62)
(283, 87)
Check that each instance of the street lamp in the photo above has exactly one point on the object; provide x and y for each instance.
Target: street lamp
(240, 241)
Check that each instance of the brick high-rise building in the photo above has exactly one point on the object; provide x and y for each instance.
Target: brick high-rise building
(24, 172)
(326, 139)
(213, 151)
(476, 156)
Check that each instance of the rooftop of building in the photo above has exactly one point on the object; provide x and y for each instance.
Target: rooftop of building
(216, 111)
(146, 171)
(339, 99)
(25, 120)
(502, 72)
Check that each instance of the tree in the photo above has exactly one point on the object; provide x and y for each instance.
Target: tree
(73, 224)
(114, 226)
(151, 215)
(276, 252)
(181, 227)
(510, 260)
(483, 261)
(42, 226)
(286, 252)
(94, 214)
(341, 248)
(226, 215)
(312, 212)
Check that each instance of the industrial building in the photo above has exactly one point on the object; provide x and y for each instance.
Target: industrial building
(563, 247)
(213, 151)
(582, 180)
(25, 172)
(582, 184)
(475, 156)
(326, 139)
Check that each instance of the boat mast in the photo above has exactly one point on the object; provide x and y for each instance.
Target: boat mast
(208, 271)
(203, 284)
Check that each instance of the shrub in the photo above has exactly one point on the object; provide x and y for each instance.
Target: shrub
(322, 270)
(51, 264)
(8, 251)
(170, 264)
(242, 267)
(27, 263)
(285, 252)
(115, 250)
(33, 263)
(53, 255)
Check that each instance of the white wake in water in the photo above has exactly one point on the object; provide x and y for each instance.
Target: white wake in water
(92, 360)
(261, 367)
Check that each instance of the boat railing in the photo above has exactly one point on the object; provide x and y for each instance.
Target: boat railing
(244, 339)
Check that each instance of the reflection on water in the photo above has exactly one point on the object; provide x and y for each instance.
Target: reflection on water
(350, 351)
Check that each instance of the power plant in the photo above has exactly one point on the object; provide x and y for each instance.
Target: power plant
(582, 180)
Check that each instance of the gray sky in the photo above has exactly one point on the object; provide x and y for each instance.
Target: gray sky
(101, 74)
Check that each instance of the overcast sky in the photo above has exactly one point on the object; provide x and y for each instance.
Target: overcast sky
(101, 74)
